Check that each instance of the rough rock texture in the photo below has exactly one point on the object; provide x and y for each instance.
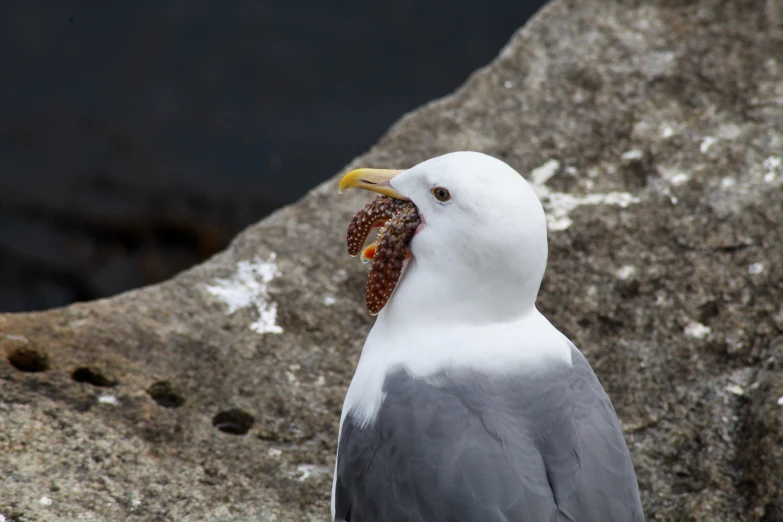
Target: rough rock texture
(653, 132)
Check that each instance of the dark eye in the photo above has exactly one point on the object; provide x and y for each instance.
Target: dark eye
(441, 194)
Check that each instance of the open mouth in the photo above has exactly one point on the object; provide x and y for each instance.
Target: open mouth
(398, 221)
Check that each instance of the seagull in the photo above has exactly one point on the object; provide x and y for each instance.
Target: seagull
(467, 404)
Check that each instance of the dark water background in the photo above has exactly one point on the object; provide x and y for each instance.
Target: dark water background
(137, 138)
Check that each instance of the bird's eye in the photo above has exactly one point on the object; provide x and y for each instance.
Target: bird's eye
(441, 194)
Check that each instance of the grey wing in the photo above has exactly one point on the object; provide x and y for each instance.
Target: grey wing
(469, 448)
(429, 456)
(576, 433)
(604, 487)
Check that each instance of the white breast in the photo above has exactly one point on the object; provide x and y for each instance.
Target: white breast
(518, 347)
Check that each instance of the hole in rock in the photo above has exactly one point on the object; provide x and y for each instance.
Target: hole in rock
(235, 422)
(92, 376)
(28, 360)
(708, 310)
(164, 394)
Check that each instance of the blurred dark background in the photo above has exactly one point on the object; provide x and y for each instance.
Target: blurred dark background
(137, 138)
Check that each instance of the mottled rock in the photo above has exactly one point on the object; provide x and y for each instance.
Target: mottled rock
(653, 132)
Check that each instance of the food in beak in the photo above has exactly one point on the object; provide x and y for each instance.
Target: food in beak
(398, 221)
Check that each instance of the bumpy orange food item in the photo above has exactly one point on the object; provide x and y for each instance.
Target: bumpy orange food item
(398, 221)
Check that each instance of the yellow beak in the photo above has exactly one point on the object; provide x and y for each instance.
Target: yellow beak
(376, 180)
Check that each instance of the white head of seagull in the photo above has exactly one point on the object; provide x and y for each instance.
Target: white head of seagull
(467, 297)
(481, 251)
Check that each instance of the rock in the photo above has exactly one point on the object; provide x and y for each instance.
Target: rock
(653, 132)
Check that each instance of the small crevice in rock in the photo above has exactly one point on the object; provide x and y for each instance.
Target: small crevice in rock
(234, 421)
(628, 289)
(92, 376)
(709, 310)
(29, 360)
(165, 395)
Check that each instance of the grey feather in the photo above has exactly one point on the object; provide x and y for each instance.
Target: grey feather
(466, 447)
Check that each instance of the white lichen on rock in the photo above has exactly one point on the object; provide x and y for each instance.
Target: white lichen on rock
(773, 167)
(706, 143)
(735, 389)
(626, 272)
(633, 154)
(249, 288)
(674, 176)
(311, 471)
(560, 204)
(697, 330)
(108, 399)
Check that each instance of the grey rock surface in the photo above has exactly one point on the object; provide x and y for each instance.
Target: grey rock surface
(653, 132)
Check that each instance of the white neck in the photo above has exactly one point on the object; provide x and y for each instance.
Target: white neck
(516, 347)
(429, 295)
